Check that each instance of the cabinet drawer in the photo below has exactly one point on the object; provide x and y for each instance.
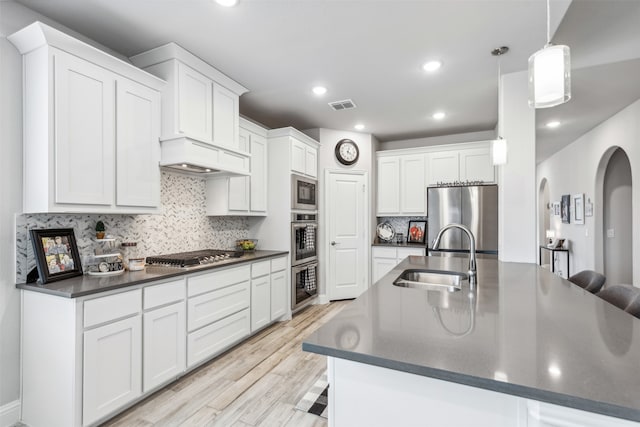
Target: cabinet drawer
(216, 337)
(218, 279)
(278, 264)
(260, 268)
(117, 306)
(212, 306)
(166, 293)
(383, 252)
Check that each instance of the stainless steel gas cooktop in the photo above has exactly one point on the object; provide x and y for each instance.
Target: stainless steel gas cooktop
(193, 258)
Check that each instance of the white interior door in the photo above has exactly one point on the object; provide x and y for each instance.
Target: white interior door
(347, 215)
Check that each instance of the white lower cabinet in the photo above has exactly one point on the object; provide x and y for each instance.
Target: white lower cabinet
(269, 297)
(112, 368)
(279, 287)
(360, 390)
(260, 295)
(216, 337)
(85, 359)
(260, 302)
(218, 311)
(385, 258)
(164, 343)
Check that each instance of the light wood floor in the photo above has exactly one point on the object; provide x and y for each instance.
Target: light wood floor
(257, 383)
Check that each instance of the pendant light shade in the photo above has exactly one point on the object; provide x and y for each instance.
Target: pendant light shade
(549, 74)
(499, 151)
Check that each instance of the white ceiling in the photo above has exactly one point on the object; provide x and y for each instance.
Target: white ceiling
(372, 51)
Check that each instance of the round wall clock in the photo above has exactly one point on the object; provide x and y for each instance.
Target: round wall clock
(347, 152)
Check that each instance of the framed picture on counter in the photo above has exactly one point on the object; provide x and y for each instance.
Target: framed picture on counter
(56, 254)
(416, 232)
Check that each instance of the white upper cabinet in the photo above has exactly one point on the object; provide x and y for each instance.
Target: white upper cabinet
(443, 167)
(200, 113)
(91, 127)
(413, 196)
(476, 165)
(468, 163)
(194, 104)
(242, 195)
(226, 115)
(401, 185)
(84, 136)
(388, 185)
(137, 134)
(304, 158)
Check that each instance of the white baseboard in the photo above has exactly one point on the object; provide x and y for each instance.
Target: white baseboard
(10, 413)
(322, 299)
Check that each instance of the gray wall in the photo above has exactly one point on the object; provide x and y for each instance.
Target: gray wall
(617, 217)
(11, 202)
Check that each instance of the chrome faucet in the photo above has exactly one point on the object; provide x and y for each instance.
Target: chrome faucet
(472, 250)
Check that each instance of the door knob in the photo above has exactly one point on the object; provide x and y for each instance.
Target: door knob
(334, 243)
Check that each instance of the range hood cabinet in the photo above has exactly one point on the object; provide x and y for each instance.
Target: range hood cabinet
(200, 113)
(186, 154)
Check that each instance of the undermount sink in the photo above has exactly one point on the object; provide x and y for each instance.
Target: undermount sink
(431, 280)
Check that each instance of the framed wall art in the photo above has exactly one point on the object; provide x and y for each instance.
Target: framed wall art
(565, 208)
(588, 208)
(56, 254)
(578, 208)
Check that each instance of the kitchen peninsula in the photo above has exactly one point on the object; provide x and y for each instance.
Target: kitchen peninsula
(525, 348)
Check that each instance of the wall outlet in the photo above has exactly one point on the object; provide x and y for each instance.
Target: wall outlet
(611, 233)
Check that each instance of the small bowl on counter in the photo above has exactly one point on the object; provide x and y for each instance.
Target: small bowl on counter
(246, 245)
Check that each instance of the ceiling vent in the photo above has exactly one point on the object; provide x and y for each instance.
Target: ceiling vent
(346, 104)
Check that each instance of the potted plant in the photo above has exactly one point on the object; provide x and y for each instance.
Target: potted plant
(100, 230)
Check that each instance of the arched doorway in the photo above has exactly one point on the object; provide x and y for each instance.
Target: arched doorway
(544, 220)
(617, 241)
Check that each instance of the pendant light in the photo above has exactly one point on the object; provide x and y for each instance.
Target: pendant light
(499, 145)
(549, 73)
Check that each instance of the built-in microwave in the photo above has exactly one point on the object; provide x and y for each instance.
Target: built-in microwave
(304, 193)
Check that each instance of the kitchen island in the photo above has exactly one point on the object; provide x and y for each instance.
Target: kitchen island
(525, 348)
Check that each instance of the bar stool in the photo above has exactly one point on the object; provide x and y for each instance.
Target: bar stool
(589, 280)
(634, 307)
(622, 296)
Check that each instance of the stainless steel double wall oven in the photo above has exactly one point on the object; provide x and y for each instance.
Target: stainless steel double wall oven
(304, 264)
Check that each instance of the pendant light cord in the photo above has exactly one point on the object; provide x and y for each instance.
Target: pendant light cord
(548, 23)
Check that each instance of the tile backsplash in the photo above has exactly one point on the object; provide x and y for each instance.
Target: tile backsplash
(182, 225)
(400, 224)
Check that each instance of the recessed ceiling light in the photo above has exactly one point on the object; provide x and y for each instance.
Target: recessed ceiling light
(439, 115)
(227, 3)
(553, 124)
(319, 90)
(184, 165)
(359, 126)
(432, 66)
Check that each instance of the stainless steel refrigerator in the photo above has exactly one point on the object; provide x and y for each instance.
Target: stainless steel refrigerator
(475, 207)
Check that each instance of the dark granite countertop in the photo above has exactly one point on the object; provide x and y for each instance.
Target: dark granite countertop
(86, 285)
(524, 331)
